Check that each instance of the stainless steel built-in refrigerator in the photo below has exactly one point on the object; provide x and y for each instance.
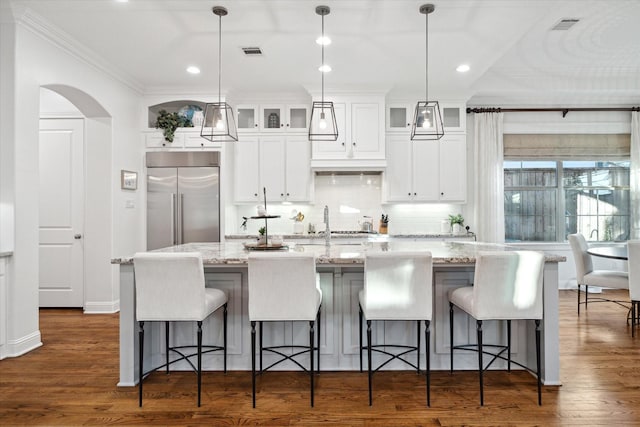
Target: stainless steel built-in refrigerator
(183, 198)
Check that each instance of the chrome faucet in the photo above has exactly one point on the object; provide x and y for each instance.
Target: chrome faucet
(327, 230)
(595, 230)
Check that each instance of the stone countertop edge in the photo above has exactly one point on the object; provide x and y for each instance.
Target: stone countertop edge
(353, 235)
(6, 254)
(343, 254)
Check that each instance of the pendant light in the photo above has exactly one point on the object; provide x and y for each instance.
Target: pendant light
(427, 120)
(218, 124)
(323, 126)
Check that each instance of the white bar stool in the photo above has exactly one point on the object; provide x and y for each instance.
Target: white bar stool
(586, 276)
(506, 286)
(397, 286)
(284, 287)
(170, 287)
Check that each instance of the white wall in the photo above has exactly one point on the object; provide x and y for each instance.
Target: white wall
(40, 62)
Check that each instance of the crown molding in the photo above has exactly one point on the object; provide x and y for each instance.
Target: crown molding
(41, 27)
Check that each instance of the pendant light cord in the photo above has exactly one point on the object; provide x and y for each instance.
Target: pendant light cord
(219, 58)
(426, 73)
(322, 64)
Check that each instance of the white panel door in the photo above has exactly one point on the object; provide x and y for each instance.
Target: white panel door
(272, 169)
(453, 168)
(61, 195)
(247, 170)
(399, 169)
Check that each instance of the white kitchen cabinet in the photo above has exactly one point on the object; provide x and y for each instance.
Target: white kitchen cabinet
(277, 118)
(278, 163)
(183, 138)
(246, 169)
(426, 171)
(360, 124)
(399, 116)
(247, 118)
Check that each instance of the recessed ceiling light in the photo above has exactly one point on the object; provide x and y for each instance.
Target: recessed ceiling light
(122, 1)
(324, 68)
(192, 69)
(462, 68)
(324, 40)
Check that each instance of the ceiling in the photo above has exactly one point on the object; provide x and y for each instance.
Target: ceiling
(514, 55)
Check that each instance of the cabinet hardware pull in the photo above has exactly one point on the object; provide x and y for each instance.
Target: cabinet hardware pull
(408, 194)
(255, 194)
(255, 125)
(281, 194)
(415, 194)
(287, 194)
(342, 144)
(354, 144)
(442, 194)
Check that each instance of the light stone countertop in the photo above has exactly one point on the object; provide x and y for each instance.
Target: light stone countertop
(453, 252)
(6, 254)
(369, 236)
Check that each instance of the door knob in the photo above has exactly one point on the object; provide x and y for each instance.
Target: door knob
(77, 236)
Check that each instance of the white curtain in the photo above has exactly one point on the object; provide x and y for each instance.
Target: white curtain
(489, 180)
(635, 175)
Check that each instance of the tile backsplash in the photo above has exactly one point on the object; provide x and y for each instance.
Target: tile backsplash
(349, 198)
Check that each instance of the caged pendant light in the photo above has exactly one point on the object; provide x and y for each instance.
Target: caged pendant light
(427, 120)
(218, 124)
(323, 126)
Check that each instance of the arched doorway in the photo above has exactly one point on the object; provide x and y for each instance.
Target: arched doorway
(75, 201)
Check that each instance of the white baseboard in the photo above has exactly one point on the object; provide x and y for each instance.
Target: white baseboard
(15, 348)
(103, 307)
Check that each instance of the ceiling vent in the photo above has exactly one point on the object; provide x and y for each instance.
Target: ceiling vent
(252, 51)
(565, 24)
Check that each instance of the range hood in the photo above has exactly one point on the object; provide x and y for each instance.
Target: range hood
(348, 167)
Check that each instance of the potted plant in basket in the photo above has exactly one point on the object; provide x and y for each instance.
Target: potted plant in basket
(169, 122)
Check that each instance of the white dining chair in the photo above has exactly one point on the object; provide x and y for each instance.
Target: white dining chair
(586, 276)
(633, 255)
(506, 286)
(284, 287)
(170, 287)
(397, 286)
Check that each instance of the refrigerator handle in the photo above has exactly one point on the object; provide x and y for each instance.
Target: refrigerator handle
(173, 218)
(181, 218)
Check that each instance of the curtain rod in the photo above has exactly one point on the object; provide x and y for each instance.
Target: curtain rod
(564, 111)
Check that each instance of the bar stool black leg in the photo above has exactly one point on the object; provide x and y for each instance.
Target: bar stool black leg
(633, 318)
(578, 299)
(586, 296)
(224, 321)
(199, 360)
(261, 325)
(539, 372)
(319, 323)
(451, 338)
(360, 334)
(369, 360)
(480, 370)
(418, 348)
(427, 340)
(140, 359)
(166, 343)
(311, 342)
(509, 345)
(253, 362)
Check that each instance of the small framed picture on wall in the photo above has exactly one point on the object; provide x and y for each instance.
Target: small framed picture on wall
(128, 180)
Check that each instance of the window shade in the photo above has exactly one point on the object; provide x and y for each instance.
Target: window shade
(567, 146)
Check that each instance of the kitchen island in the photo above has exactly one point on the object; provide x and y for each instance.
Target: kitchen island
(340, 266)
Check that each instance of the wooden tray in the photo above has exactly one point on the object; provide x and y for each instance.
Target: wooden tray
(265, 246)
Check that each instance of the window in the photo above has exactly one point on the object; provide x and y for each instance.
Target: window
(588, 197)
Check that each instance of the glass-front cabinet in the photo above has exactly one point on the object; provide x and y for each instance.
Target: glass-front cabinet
(273, 118)
(284, 118)
(399, 116)
(247, 118)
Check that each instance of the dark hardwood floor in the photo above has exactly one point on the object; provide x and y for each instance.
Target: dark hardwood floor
(71, 380)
